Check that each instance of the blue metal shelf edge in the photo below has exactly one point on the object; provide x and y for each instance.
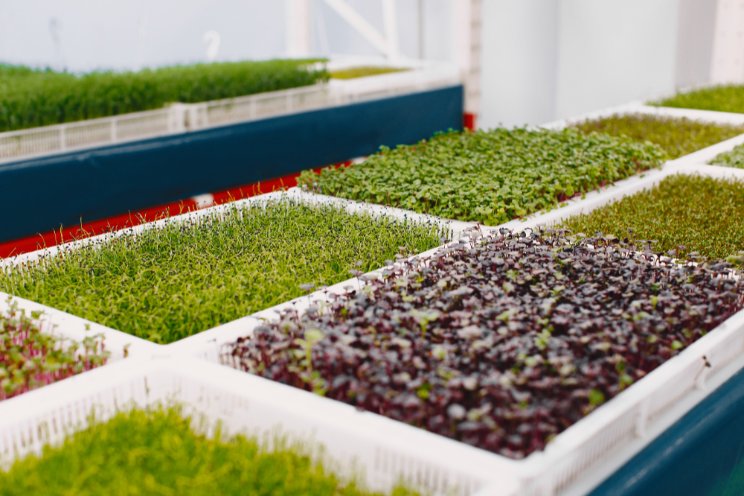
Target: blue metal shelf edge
(701, 454)
(40, 194)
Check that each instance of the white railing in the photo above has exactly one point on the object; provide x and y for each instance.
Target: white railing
(182, 117)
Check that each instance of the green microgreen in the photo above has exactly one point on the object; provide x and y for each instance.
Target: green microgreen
(487, 176)
(677, 136)
(723, 98)
(682, 213)
(30, 98)
(166, 284)
(162, 451)
(734, 158)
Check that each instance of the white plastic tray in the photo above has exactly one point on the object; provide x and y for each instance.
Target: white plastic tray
(594, 447)
(62, 324)
(573, 463)
(117, 337)
(381, 451)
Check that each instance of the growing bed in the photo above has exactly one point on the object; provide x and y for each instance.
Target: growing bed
(171, 280)
(678, 136)
(721, 98)
(500, 342)
(32, 97)
(683, 214)
(165, 451)
(487, 176)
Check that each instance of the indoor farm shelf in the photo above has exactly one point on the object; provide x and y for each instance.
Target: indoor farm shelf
(201, 110)
(253, 254)
(618, 397)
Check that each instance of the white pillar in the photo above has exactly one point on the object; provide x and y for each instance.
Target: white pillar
(467, 19)
(727, 64)
(297, 27)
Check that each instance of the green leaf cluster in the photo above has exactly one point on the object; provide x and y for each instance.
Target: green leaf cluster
(722, 98)
(169, 283)
(31, 98)
(682, 213)
(734, 158)
(677, 136)
(162, 451)
(487, 176)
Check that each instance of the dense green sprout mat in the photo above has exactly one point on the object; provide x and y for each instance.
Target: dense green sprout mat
(734, 158)
(723, 98)
(160, 452)
(677, 136)
(702, 214)
(30, 98)
(487, 176)
(166, 284)
(357, 72)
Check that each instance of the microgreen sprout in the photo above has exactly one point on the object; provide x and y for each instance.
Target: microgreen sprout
(163, 451)
(722, 98)
(475, 344)
(487, 176)
(168, 283)
(677, 136)
(30, 358)
(684, 215)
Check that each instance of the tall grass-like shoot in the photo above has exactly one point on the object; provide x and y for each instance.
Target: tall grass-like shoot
(169, 283)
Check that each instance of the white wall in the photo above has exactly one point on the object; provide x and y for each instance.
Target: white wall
(542, 59)
(95, 34)
(519, 62)
(610, 52)
(134, 33)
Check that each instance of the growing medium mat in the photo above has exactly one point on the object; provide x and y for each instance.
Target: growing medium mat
(677, 136)
(500, 342)
(171, 282)
(681, 215)
(487, 176)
